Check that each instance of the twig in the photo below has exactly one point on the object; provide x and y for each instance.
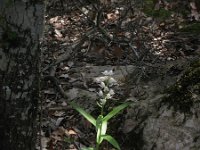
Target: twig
(57, 84)
(104, 32)
(71, 52)
(135, 51)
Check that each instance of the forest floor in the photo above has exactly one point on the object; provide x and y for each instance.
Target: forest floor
(74, 53)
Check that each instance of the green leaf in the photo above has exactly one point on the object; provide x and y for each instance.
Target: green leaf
(98, 128)
(115, 111)
(101, 127)
(111, 140)
(99, 122)
(98, 138)
(83, 113)
(104, 127)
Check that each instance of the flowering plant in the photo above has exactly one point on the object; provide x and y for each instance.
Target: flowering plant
(105, 93)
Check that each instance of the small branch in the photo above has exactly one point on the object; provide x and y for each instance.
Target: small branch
(104, 32)
(71, 52)
(57, 84)
(135, 51)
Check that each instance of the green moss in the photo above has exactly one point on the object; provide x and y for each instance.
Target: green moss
(191, 28)
(181, 95)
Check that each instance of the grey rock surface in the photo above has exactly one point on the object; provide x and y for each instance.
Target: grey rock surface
(159, 127)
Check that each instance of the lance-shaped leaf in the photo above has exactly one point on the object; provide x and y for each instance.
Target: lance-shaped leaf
(111, 140)
(84, 113)
(115, 111)
(101, 128)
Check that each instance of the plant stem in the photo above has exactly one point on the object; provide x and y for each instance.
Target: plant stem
(99, 138)
(97, 147)
(102, 110)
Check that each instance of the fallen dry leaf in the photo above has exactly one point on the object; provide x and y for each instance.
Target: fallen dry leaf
(58, 33)
(59, 113)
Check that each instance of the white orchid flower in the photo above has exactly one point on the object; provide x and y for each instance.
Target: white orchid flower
(112, 82)
(102, 101)
(106, 89)
(108, 72)
(101, 79)
(102, 85)
(110, 94)
(100, 93)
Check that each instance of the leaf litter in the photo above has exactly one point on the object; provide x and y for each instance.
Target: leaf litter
(141, 44)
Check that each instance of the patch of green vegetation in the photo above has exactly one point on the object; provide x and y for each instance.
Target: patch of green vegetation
(184, 12)
(185, 92)
(161, 13)
(191, 28)
(9, 3)
(9, 39)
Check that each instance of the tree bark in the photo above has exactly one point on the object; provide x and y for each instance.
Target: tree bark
(21, 25)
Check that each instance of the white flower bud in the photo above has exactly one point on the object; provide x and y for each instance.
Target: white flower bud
(111, 92)
(103, 101)
(108, 73)
(100, 79)
(112, 81)
(100, 93)
(106, 89)
(102, 85)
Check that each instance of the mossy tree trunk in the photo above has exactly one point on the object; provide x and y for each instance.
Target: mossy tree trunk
(21, 24)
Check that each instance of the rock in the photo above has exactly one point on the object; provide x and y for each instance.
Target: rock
(166, 133)
(153, 125)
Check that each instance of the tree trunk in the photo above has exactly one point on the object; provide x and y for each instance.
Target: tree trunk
(21, 25)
